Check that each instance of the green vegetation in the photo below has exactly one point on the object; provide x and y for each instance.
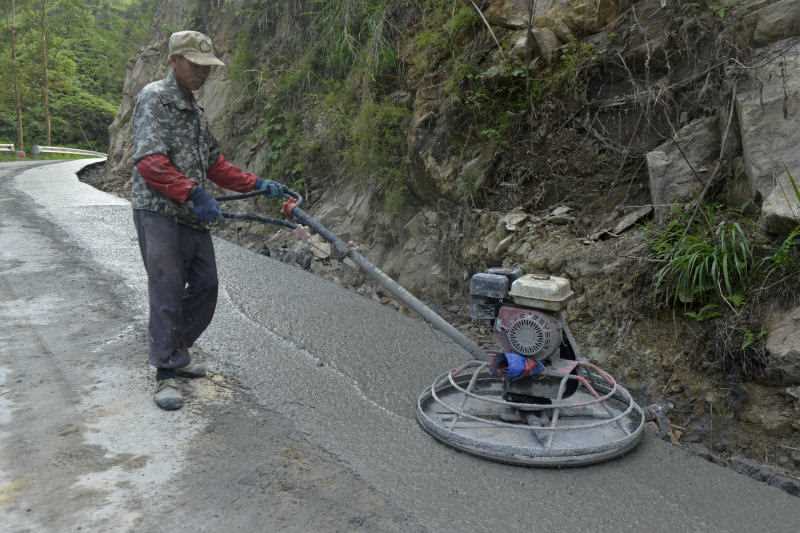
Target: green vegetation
(89, 43)
(703, 263)
(711, 271)
(332, 84)
(333, 72)
(378, 140)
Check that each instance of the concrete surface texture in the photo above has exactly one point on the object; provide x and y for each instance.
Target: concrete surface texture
(306, 425)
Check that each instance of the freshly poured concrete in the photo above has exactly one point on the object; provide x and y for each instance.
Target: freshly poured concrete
(309, 427)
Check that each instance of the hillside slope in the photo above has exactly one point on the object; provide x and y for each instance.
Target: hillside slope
(446, 136)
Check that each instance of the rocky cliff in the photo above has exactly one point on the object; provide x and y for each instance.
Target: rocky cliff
(445, 136)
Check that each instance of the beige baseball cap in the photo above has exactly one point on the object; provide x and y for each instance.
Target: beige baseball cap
(194, 46)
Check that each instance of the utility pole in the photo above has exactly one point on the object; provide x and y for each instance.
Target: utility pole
(46, 76)
(20, 137)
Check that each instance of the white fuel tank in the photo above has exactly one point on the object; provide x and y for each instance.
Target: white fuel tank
(541, 291)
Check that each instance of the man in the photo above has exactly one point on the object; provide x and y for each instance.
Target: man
(174, 154)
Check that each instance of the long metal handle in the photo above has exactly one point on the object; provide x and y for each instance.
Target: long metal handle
(342, 251)
(258, 218)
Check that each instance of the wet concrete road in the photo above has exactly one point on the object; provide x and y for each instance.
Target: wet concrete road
(308, 425)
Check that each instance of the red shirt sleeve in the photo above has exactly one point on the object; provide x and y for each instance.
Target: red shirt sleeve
(161, 175)
(229, 176)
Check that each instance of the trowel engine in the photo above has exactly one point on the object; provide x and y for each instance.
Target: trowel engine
(535, 400)
(526, 313)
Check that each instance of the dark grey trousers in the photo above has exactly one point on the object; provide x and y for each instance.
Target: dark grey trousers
(182, 285)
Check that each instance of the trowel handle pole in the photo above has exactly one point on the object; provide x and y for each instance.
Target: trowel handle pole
(342, 250)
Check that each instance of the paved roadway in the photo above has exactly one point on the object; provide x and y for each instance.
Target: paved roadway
(307, 426)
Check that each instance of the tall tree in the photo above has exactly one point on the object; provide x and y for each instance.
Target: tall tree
(17, 96)
(46, 75)
(67, 67)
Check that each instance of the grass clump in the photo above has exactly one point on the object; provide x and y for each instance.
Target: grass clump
(698, 267)
(709, 269)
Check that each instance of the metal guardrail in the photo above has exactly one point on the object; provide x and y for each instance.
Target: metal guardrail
(36, 150)
(6, 147)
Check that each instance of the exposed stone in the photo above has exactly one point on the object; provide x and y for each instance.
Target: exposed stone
(514, 220)
(522, 48)
(502, 247)
(585, 17)
(632, 218)
(400, 98)
(539, 43)
(678, 174)
(475, 172)
(768, 108)
(780, 212)
(598, 354)
(347, 210)
(793, 392)
(514, 14)
(292, 256)
(600, 43)
(766, 410)
(737, 192)
(777, 21)
(561, 220)
(771, 476)
(558, 27)
(783, 347)
(320, 248)
(490, 244)
(545, 44)
(524, 250)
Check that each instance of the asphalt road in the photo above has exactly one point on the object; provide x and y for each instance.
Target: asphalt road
(308, 424)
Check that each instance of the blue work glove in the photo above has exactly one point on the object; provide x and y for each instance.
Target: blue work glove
(520, 366)
(273, 189)
(204, 205)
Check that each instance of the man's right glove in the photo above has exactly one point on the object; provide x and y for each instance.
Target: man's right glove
(204, 205)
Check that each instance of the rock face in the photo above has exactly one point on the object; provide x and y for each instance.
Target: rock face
(777, 21)
(783, 345)
(148, 66)
(768, 107)
(780, 212)
(538, 43)
(769, 409)
(678, 169)
(514, 14)
(545, 44)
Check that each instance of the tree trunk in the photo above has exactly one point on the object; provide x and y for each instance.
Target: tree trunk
(20, 137)
(46, 76)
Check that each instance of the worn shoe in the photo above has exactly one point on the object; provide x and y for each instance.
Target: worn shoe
(168, 396)
(192, 370)
(189, 369)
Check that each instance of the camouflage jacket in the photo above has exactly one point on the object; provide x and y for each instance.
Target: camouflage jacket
(166, 121)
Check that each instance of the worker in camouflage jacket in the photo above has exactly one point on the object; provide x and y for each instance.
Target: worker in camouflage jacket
(174, 156)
